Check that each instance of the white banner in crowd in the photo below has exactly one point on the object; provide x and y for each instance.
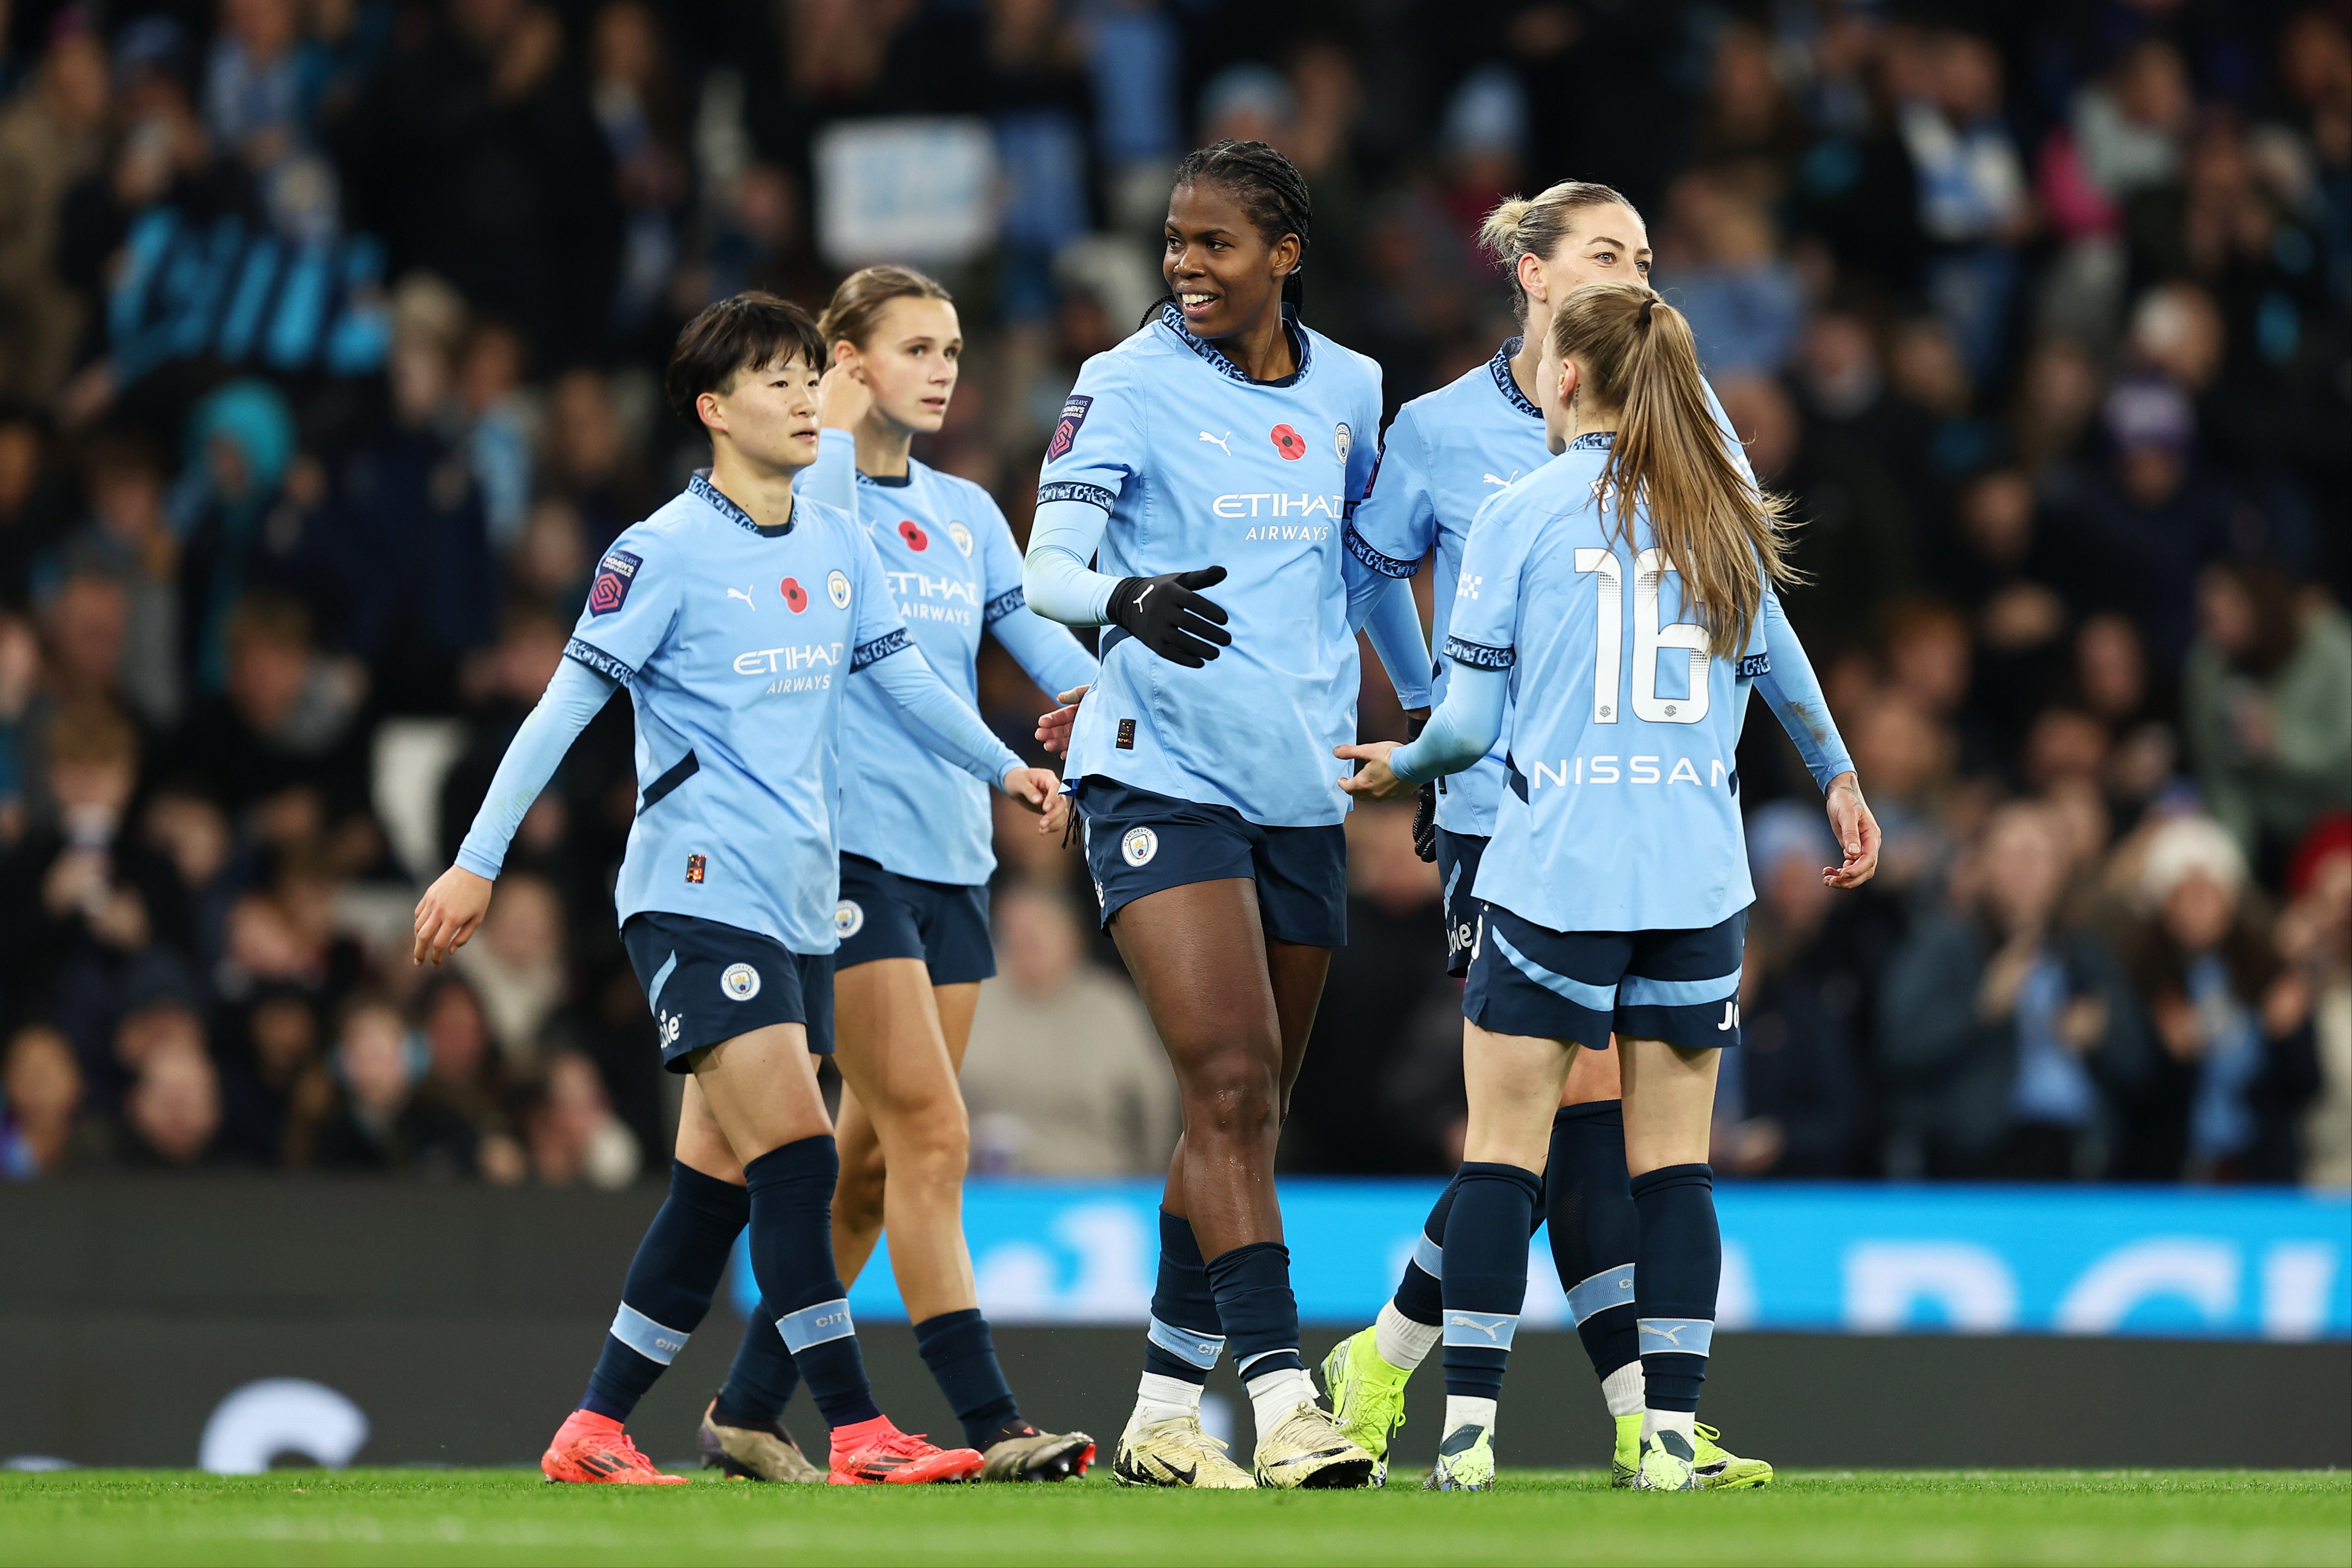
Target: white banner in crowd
(921, 191)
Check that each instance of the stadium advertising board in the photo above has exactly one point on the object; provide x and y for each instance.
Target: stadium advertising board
(2163, 1262)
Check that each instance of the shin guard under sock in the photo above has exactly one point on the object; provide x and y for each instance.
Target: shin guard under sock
(1589, 1202)
(1485, 1273)
(1252, 1286)
(956, 1347)
(1675, 1276)
(1185, 1338)
(668, 1288)
(792, 1256)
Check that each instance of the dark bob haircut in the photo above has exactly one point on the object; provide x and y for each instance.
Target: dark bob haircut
(748, 332)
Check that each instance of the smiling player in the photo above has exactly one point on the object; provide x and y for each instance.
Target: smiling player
(726, 894)
(1222, 445)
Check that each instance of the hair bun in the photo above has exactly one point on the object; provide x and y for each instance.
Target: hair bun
(1499, 236)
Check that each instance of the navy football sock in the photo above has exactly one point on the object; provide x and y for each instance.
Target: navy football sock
(668, 1288)
(1589, 1201)
(1185, 1338)
(1485, 1273)
(1252, 1285)
(963, 1358)
(760, 1381)
(1419, 1294)
(1674, 1281)
(792, 1257)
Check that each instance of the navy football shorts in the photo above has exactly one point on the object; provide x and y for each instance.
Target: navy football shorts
(885, 915)
(1681, 986)
(1457, 872)
(1139, 842)
(707, 982)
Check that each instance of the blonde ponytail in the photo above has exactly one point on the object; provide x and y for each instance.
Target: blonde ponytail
(1535, 225)
(1638, 356)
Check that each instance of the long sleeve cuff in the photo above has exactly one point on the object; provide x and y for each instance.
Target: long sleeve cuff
(1463, 728)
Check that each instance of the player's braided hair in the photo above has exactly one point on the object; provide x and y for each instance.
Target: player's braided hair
(1270, 189)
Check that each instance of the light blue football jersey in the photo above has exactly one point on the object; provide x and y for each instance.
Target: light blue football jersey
(1446, 454)
(1620, 810)
(1197, 466)
(736, 645)
(949, 560)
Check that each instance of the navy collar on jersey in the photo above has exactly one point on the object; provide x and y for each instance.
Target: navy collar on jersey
(887, 481)
(1593, 441)
(1500, 367)
(1174, 320)
(702, 490)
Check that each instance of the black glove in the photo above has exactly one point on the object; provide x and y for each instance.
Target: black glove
(1167, 617)
(1424, 803)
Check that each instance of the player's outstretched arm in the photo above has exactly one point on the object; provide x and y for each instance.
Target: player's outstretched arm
(1463, 728)
(453, 905)
(949, 725)
(1794, 695)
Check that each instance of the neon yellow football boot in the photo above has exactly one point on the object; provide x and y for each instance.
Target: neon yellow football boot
(1465, 1462)
(1718, 1468)
(1625, 1460)
(1366, 1397)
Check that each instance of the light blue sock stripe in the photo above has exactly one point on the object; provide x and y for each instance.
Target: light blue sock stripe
(1600, 999)
(661, 978)
(1635, 991)
(1428, 1256)
(1609, 1288)
(1488, 1331)
(816, 1325)
(1243, 1368)
(1187, 1345)
(649, 1339)
(1691, 1337)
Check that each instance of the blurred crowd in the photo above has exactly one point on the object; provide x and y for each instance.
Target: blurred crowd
(330, 339)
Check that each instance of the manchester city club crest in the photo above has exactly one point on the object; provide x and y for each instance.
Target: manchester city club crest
(1343, 441)
(848, 918)
(836, 588)
(741, 982)
(1138, 845)
(963, 536)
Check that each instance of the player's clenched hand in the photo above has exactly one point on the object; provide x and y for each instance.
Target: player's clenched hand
(1054, 728)
(1857, 834)
(1373, 781)
(1166, 615)
(1040, 790)
(448, 913)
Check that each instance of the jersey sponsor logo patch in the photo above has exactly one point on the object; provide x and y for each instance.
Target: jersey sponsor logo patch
(1126, 741)
(614, 574)
(1065, 429)
(963, 536)
(795, 596)
(1343, 440)
(1288, 442)
(696, 867)
(1138, 845)
(912, 533)
(739, 982)
(848, 918)
(836, 588)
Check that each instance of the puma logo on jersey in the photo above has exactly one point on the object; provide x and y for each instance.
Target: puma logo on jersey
(1219, 442)
(1490, 479)
(739, 593)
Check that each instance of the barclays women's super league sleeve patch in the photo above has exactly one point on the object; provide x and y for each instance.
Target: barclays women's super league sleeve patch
(615, 573)
(1065, 429)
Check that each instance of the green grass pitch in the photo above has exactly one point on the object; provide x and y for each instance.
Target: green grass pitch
(1535, 1516)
